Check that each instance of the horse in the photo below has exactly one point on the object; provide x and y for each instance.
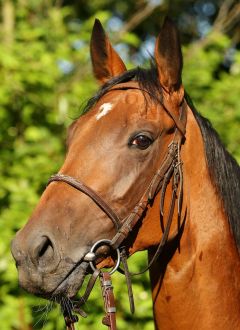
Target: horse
(143, 171)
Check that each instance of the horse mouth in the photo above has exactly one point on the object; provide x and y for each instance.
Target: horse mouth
(54, 286)
(71, 283)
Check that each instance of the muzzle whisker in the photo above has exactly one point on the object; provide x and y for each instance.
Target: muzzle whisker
(39, 308)
(43, 314)
(46, 314)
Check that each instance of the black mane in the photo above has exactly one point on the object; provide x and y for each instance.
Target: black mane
(223, 168)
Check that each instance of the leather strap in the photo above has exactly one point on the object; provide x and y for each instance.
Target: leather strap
(84, 298)
(128, 279)
(89, 192)
(69, 318)
(109, 302)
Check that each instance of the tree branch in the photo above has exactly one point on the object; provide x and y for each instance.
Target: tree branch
(138, 17)
(222, 14)
(228, 17)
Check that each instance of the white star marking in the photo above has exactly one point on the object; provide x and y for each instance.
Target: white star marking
(103, 110)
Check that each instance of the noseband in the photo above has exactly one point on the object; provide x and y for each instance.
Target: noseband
(170, 170)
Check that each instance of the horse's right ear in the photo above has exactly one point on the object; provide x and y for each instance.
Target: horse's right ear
(105, 60)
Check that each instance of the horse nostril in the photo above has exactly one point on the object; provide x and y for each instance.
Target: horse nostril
(46, 248)
(43, 253)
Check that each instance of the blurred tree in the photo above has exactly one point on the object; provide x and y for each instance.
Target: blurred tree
(45, 77)
(144, 17)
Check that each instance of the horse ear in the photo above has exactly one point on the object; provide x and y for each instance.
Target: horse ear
(106, 62)
(168, 56)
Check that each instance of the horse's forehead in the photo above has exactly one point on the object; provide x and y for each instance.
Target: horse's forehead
(120, 102)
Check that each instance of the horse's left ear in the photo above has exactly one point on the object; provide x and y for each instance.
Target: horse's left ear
(105, 60)
(168, 56)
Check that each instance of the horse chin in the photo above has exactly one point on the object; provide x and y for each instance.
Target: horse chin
(53, 287)
(72, 283)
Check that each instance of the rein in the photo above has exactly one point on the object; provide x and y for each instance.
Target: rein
(170, 170)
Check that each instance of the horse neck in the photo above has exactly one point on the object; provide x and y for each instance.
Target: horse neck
(196, 283)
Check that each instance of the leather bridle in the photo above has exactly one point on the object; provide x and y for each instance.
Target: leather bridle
(169, 171)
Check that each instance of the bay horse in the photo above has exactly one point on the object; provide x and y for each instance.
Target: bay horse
(140, 144)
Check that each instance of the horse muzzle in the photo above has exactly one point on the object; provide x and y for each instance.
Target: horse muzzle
(42, 271)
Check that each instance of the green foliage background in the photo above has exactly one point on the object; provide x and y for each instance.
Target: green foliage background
(45, 77)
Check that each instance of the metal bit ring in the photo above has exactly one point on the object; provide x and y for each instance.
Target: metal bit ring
(105, 242)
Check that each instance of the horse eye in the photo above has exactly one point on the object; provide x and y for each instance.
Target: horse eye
(141, 141)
